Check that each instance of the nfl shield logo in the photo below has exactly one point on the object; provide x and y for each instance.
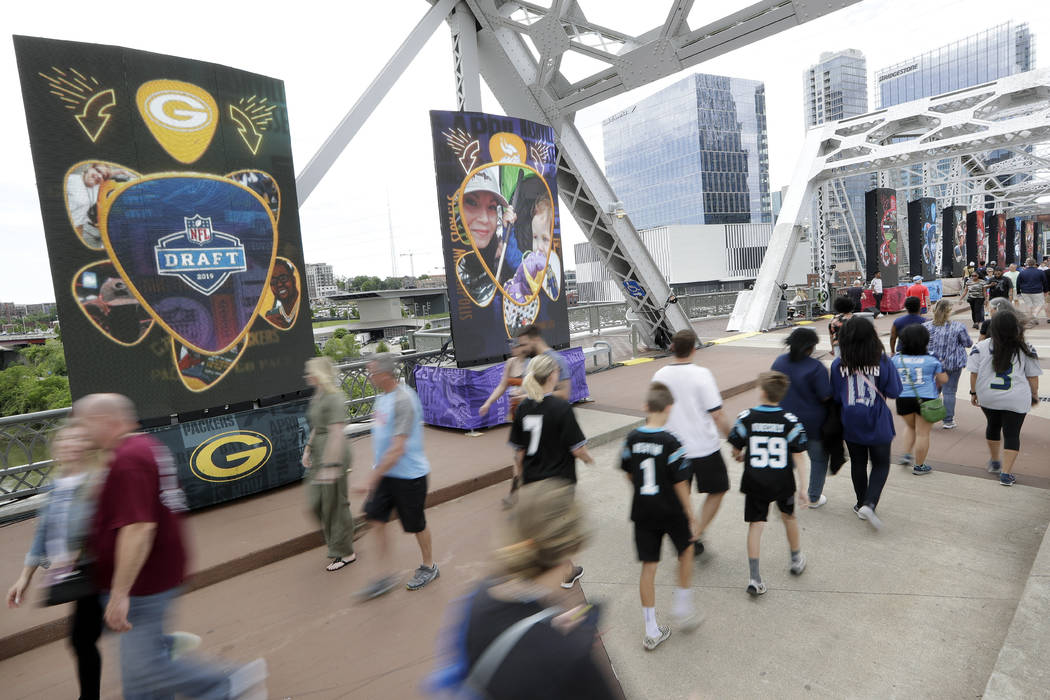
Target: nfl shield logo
(198, 229)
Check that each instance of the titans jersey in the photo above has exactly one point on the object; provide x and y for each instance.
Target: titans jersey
(768, 435)
(656, 462)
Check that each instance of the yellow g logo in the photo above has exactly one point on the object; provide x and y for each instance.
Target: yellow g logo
(230, 456)
(181, 116)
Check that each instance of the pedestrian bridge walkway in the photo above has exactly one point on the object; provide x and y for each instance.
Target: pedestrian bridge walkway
(946, 601)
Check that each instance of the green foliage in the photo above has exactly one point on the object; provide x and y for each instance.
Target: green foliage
(47, 359)
(339, 333)
(22, 390)
(405, 345)
(342, 348)
(382, 346)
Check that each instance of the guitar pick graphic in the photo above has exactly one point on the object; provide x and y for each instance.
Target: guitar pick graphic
(181, 116)
(196, 250)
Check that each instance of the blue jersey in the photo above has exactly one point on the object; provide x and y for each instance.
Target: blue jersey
(917, 373)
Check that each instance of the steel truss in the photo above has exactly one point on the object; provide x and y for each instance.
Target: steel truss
(1009, 114)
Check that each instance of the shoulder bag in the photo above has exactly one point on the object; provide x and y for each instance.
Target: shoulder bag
(931, 410)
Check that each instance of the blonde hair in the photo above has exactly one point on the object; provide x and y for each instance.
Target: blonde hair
(323, 371)
(91, 460)
(544, 528)
(941, 311)
(541, 368)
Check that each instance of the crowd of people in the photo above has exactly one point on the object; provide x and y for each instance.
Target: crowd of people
(112, 543)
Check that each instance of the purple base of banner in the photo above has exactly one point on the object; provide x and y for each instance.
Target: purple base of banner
(451, 397)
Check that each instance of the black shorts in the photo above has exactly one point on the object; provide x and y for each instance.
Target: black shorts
(710, 473)
(907, 405)
(648, 538)
(756, 506)
(407, 496)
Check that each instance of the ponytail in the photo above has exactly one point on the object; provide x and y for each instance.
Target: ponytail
(541, 368)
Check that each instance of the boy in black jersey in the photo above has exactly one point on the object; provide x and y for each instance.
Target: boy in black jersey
(660, 474)
(770, 442)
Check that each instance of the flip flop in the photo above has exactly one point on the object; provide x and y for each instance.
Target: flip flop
(338, 564)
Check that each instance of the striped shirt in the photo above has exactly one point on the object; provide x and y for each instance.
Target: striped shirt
(948, 344)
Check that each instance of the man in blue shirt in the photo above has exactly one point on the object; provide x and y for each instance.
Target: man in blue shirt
(399, 475)
(1031, 286)
(912, 306)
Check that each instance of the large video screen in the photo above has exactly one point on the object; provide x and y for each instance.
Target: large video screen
(997, 224)
(498, 205)
(953, 241)
(168, 199)
(924, 238)
(1013, 240)
(883, 237)
(976, 238)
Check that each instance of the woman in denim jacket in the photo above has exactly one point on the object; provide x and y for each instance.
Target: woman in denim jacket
(62, 526)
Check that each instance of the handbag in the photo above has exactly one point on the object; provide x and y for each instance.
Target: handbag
(931, 410)
(66, 584)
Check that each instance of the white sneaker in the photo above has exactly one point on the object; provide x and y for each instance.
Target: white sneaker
(650, 643)
(797, 567)
(689, 622)
(248, 681)
(756, 588)
(819, 502)
(866, 513)
(182, 643)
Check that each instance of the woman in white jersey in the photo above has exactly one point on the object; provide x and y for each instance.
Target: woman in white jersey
(699, 423)
(1004, 382)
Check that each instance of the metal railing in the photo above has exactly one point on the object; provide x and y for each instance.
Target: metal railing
(360, 393)
(25, 463)
(598, 317)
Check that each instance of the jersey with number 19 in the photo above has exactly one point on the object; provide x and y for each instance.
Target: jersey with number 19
(547, 432)
(768, 435)
(656, 462)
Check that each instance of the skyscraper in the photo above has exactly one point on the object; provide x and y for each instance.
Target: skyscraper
(837, 88)
(994, 53)
(694, 153)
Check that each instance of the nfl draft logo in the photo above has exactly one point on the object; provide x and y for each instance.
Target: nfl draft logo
(209, 263)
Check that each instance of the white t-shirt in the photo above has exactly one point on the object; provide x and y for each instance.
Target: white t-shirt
(1008, 391)
(695, 396)
(876, 285)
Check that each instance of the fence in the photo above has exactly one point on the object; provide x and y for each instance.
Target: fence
(598, 317)
(353, 377)
(24, 460)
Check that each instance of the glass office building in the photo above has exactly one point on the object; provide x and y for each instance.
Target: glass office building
(994, 53)
(694, 153)
(837, 88)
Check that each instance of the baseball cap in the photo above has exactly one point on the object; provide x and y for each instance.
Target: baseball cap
(917, 278)
(115, 292)
(485, 180)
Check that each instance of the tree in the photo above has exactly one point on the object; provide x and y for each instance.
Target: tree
(382, 346)
(48, 359)
(339, 333)
(343, 348)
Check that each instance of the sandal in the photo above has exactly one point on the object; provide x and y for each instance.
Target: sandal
(340, 563)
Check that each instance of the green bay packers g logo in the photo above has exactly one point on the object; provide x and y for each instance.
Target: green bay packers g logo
(230, 456)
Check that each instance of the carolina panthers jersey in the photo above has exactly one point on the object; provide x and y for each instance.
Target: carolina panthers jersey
(769, 436)
(656, 462)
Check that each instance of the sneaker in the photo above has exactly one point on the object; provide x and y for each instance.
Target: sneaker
(906, 460)
(650, 643)
(797, 567)
(856, 509)
(755, 588)
(423, 576)
(867, 513)
(577, 572)
(819, 502)
(245, 681)
(949, 425)
(688, 623)
(698, 548)
(920, 469)
(381, 586)
(182, 643)
(1007, 479)
(994, 467)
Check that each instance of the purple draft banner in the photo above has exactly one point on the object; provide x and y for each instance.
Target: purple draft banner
(451, 396)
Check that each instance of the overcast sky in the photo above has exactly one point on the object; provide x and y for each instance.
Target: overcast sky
(327, 58)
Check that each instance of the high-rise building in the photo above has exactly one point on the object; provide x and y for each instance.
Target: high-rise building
(994, 53)
(694, 153)
(837, 88)
(320, 279)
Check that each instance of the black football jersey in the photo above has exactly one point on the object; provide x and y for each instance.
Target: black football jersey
(769, 436)
(656, 461)
(548, 433)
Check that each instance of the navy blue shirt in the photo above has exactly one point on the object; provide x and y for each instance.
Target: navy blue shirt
(809, 387)
(866, 419)
(1031, 280)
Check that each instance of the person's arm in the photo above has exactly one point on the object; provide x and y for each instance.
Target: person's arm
(504, 382)
(802, 473)
(574, 439)
(893, 340)
(973, 388)
(941, 378)
(16, 594)
(134, 542)
(393, 453)
(582, 454)
(720, 419)
(306, 460)
(1033, 383)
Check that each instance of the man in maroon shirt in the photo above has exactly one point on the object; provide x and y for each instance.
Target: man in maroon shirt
(140, 559)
